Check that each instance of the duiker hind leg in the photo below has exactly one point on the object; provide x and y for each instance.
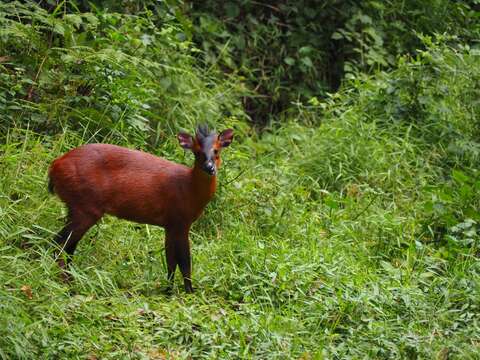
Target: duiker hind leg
(170, 239)
(77, 224)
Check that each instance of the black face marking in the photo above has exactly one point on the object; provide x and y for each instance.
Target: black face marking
(207, 155)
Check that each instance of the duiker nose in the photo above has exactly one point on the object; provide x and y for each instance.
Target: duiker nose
(210, 167)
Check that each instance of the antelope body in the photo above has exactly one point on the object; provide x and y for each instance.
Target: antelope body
(97, 179)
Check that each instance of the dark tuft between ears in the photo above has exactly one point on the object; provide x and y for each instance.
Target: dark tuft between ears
(202, 131)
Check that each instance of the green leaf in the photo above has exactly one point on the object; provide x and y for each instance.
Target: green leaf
(232, 9)
(59, 29)
(460, 176)
(74, 19)
(305, 50)
(337, 36)
(146, 39)
(307, 61)
(331, 203)
(365, 19)
(165, 82)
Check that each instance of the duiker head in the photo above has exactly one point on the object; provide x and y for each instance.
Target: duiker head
(206, 146)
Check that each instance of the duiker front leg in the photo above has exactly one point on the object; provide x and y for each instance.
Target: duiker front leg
(178, 236)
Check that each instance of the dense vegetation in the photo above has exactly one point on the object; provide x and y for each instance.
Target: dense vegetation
(346, 228)
(295, 50)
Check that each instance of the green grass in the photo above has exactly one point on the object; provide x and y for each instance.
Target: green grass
(283, 267)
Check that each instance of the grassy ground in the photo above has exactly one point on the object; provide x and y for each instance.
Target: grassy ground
(282, 268)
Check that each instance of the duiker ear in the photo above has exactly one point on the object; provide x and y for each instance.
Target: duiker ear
(225, 137)
(185, 140)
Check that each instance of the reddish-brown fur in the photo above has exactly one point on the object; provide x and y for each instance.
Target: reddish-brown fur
(97, 179)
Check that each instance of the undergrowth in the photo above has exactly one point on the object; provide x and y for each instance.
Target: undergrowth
(106, 75)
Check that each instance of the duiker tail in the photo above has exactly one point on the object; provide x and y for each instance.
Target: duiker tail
(51, 188)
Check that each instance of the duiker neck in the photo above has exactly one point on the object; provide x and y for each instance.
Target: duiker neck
(204, 185)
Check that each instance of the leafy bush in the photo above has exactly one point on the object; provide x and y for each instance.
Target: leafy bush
(295, 50)
(105, 74)
(411, 133)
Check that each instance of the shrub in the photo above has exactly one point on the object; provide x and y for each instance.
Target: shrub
(106, 74)
(291, 51)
